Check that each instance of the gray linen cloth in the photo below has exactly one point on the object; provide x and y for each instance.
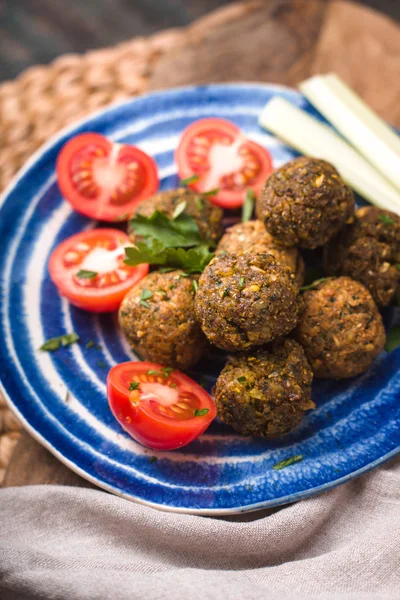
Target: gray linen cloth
(65, 543)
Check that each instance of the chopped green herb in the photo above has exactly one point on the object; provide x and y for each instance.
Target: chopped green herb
(153, 459)
(167, 371)
(83, 274)
(101, 364)
(393, 339)
(386, 219)
(241, 283)
(183, 275)
(194, 285)
(123, 217)
(164, 372)
(154, 252)
(179, 209)
(248, 206)
(63, 340)
(166, 269)
(199, 412)
(225, 293)
(189, 180)
(172, 286)
(162, 293)
(89, 344)
(314, 284)
(213, 192)
(174, 385)
(199, 203)
(134, 385)
(242, 379)
(287, 462)
(145, 295)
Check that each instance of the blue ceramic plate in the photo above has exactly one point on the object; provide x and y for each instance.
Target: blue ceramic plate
(355, 427)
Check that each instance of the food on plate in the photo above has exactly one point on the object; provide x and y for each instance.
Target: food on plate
(88, 269)
(246, 300)
(368, 250)
(224, 160)
(102, 179)
(207, 217)
(265, 393)
(340, 329)
(252, 236)
(158, 320)
(305, 203)
(158, 406)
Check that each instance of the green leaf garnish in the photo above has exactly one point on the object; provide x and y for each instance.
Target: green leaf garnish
(166, 269)
(179, 209)
(83, 274)
(393, 339)
(154, 252)
(199, 203)
(61, 341)
(167, 371)
(194, 285)
(189, 180)
(248, 206)
(164, 372)
(386, 219)
(213, 192)
(199, 412)
(287, 462)
(101, 364)
(89, 344)
(134, 385)
(180, 232)
(145, 295)
(242, 379)
(241, 283)
(314, 284)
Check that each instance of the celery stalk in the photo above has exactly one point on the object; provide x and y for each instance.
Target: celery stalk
(357, 122)
(309, 136)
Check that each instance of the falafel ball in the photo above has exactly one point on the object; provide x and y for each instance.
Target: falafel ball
(265, 394)
(246, 300)
(206, 215)
(340, 329)
(157, 317)
(305, 203)
(369, 250)
(253, 237)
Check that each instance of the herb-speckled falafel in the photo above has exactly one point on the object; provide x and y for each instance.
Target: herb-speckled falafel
(207, 216)
(369, 250)
(157, 317)
(246, 300)
(265, 394)
(305, 203)
(253, 237)
(340, 328)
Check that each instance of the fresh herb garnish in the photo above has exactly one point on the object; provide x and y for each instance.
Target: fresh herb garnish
(174, 385)
(134, 385)
(248, 206)
(314, 284)
(225, 293)
(166, 269)
(153, 459)
(194, 285)
(164, 372)
(179, 232)
(199, 203)
(287, 462)
(101, 364)
(83, 274)
(199, 412)
(242, 379)
(241, 283)
(386, 219)
(145, 295)
(89, 344)
(63, 340)
(393, 339)
(167, 371)
(179, 209)
(213, 192)
(154, 252)
(189, 180)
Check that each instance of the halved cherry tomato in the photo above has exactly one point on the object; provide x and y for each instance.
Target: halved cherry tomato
(217, 151)
(104, 180)
(159, 407)
(88, 269)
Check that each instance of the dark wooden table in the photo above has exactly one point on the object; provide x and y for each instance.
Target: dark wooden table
(275, 41)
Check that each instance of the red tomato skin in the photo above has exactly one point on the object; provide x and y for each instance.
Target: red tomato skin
(89, 208)
(156, 434)
(83, 298)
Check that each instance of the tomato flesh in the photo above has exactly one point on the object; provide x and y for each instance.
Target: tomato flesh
(219, 153)
(156, 406)
(88, 269)
(102, 179)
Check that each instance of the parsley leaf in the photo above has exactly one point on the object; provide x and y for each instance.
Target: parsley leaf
(83, 274)
(241, 283)
(179, 209)
(179, 232)
(153, 252)
(63, 340)
(194, 285)
(164, 372)
(386, 219)
(199, 412)
(134, 385)
(248, 206)
(145, 295)
(189, 180)
(213, 192)
(242, 379)
(393, 339)
(287, 462)
(314, 284)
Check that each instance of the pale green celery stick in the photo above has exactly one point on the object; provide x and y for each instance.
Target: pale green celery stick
(313, 138)
(357, 122)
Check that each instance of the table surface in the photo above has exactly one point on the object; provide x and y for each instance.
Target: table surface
(275, 41)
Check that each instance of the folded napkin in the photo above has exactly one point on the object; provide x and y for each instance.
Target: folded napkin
(65, 543)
